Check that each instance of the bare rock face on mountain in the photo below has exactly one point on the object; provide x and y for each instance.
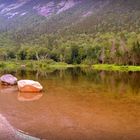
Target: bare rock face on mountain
(75, 16)
(44, 7)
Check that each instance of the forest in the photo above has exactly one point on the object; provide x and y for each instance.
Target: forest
(109, 48)
(107, 33)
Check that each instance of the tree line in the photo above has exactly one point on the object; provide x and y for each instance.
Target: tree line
(121, 48)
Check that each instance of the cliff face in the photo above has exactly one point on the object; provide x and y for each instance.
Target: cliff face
(70, 15)
(14, 8)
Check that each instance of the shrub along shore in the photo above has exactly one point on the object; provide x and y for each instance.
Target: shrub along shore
(44, 65)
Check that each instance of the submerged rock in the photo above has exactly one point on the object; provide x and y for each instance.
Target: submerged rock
(29, 86)
(8, 79)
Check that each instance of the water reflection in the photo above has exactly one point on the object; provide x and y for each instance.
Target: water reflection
(8, 89)
(76, 104)
(115, 82)
(29, 96)
(21, 96)
(111, 82)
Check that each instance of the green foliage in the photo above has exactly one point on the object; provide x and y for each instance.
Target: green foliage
(83, 34)
(122, 48)
(116, 68)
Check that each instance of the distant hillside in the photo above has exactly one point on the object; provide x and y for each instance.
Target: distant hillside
(71, 31)
(78, 16)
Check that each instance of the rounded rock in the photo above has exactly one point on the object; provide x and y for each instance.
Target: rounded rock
(8, 79)
(29, 86)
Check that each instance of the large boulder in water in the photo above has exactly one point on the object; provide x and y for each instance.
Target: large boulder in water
(8, 79)
(29, 86)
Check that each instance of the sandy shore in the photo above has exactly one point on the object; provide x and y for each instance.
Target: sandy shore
(7, 132)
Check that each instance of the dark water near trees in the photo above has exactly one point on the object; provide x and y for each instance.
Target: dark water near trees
(76, 104)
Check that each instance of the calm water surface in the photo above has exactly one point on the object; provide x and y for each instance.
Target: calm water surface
(76, 104)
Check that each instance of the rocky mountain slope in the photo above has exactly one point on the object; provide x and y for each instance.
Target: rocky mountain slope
(71, 31)
(70, 15)
(12, 9)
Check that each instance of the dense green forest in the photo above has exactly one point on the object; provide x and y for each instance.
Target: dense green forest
(110, 48)
(88, 33)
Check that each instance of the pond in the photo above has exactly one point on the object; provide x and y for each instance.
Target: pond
(76, 104)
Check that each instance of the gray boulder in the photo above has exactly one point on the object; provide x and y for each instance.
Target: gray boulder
(8, 79)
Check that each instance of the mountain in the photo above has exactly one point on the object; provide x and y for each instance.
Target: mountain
(71, 31)
(78, 16)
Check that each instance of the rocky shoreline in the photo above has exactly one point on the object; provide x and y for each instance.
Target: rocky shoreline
(7, 132)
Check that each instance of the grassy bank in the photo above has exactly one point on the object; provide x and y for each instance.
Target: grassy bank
(43, 65)
(35, 65)
(108, 67)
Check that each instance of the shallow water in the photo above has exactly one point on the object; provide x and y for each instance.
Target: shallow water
(76, 104)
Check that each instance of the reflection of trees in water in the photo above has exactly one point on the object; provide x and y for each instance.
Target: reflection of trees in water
(135, 82)
(75, 73)
(120, 82)
(23, 73)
